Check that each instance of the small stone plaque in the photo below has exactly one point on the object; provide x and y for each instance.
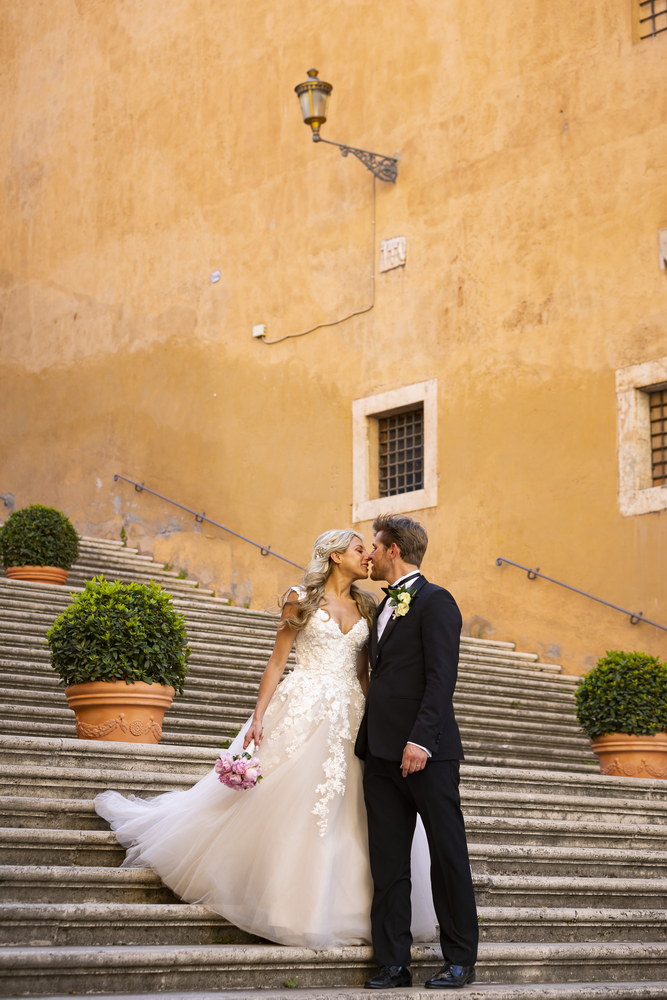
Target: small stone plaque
(393, 253)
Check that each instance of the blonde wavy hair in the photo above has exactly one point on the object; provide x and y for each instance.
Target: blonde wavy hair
(317, 573)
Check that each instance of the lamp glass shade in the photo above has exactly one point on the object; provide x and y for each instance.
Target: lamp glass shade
(313, 97)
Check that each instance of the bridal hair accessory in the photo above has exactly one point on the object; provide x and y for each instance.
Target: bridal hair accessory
(320, 552)
(400, 598)
(240, 771)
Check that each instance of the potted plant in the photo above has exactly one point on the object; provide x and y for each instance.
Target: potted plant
(38, 543)
(621, 706)
(121, 651)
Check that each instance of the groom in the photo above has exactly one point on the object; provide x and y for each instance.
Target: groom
(410, 742)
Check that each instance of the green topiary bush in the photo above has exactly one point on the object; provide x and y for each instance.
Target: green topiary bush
(38, 536)
(624, 693)
(120, 632)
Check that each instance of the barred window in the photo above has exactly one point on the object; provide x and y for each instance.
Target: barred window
(641, 405)
(401, 452)
(652, 17)
(658, 419)
(395, 451)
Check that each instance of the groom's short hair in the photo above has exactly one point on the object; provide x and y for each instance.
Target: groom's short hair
(410, 536)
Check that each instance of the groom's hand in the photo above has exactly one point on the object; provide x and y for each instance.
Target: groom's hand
(414, 759)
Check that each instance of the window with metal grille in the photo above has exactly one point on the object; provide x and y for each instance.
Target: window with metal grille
(401, 452)
(658, 417)
(652, 17)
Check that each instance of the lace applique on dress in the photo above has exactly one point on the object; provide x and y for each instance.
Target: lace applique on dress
(323, 689)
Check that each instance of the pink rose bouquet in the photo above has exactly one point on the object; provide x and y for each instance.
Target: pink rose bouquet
(240, 771)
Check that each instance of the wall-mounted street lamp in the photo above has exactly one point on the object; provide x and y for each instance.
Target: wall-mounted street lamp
(313, 97)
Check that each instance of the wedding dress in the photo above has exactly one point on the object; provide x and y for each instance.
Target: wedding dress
(286, 860)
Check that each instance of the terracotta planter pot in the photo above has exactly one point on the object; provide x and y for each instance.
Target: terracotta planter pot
(37, 574)
(120, 712)
(632, 756)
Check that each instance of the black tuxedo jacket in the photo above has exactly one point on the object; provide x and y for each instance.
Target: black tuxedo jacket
(413, 675)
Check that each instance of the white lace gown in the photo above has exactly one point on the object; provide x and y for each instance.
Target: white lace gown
(288, 859)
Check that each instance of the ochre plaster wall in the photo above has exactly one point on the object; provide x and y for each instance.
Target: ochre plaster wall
(145, 145)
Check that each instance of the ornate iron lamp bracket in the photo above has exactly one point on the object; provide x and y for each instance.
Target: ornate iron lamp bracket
(385, 168)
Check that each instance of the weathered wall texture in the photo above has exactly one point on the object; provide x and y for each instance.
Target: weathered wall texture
(146, 144)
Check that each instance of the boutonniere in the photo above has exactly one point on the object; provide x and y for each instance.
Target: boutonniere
(401, 598)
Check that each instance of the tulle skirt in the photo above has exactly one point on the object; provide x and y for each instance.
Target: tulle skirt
(257, 856)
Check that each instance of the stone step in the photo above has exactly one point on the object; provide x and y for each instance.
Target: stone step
(212, 967)
(216, 701)
(559, 924)
(569, 891)
(24, 674)
(230, 686)
(41, 599)
(170, 582)
(89, 884)
(99, 883)
(647, 792)
(91, 564)
(559, 862)
(219, 735)
(99, 924)
(77, 782)
(134, 759)
(24, 615)
(27, 812)
(624, 816)
(185, 727)
(25, 846)
(492, 991)
(88, 848)
(218, 612)
(25, 758)
(211, 704)
(92, 555)
(31, 630)
(568, 832)
(141, 573)
(34, 671)
(36, 656)
(19, 650)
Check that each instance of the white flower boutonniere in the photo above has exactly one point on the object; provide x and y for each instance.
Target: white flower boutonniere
(401, 599)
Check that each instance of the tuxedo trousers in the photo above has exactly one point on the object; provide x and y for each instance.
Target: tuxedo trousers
(393, 803)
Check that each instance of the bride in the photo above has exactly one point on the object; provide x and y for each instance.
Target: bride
(288, 859)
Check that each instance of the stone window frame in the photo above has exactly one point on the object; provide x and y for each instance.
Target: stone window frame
(366, 505)
(649, 19)
(636, 494)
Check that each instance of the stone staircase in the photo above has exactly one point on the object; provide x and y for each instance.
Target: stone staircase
(570, 867)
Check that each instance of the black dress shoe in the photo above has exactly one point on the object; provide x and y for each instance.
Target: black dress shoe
(388, 976)
(451, 976)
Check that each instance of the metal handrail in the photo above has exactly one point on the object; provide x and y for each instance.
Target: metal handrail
(265, 550)
(635, 617)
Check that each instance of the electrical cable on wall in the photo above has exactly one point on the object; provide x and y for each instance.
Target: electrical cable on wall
(359, 312)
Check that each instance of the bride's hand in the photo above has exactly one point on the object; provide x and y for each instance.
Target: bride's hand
(254, 735)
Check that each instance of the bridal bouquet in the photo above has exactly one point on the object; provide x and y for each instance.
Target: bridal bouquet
(240, 771)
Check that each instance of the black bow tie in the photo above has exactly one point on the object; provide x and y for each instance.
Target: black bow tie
(391, 591)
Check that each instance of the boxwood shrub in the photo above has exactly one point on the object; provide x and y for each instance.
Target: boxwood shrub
(38, 536)
(120, 632)
(624, 693)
